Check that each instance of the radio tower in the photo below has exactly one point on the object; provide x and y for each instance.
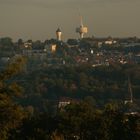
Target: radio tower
(130, 92)
(82, 29)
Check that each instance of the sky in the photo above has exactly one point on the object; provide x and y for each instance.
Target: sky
(39, 19)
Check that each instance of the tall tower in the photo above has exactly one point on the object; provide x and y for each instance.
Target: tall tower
(82, 29)
(59, 34)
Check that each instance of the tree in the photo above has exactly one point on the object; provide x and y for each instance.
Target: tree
(20, 42)
(80, 120)
(6, 41)
(11, 114)
(6, 44)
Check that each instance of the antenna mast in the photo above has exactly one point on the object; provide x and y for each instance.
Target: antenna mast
(130, 90)
(81, 21)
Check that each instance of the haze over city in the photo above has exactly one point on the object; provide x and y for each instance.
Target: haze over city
(39, 19)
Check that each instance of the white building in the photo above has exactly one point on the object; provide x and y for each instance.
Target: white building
(82, 29)
(59, 34)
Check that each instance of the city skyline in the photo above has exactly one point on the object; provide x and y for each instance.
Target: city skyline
(39, 19)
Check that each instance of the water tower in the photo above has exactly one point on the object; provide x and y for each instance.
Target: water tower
(82, 29)
(59, 34)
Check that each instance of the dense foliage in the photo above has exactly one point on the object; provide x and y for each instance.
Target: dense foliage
(81, 121)
(104, 83)
(29, 101)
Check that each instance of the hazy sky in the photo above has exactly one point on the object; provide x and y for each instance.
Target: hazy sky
(39, 19)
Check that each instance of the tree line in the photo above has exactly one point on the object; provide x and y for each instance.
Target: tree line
(27, 110)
